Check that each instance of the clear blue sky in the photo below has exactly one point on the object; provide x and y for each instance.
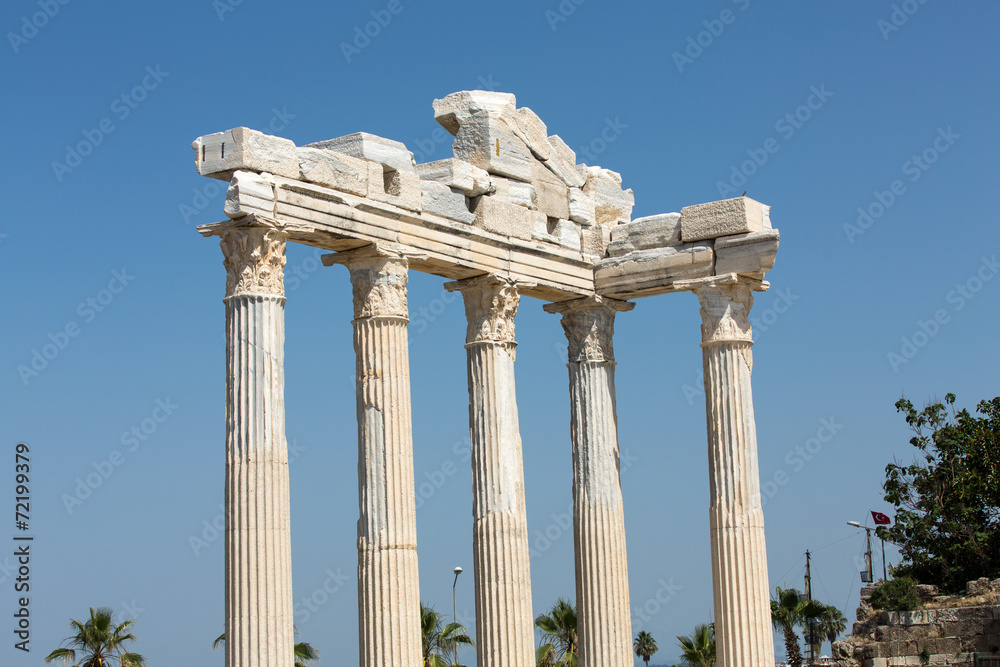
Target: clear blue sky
(842, 300)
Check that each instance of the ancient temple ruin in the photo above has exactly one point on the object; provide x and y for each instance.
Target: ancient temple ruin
(511, 214)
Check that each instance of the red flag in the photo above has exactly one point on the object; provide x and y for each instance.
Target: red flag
(881, 519)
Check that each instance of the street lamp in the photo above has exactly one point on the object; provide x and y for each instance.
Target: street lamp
(454, 608)
(868, 553)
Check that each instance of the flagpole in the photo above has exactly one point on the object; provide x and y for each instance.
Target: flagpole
(885, 577)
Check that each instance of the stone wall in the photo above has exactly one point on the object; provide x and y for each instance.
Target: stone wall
(946, 630)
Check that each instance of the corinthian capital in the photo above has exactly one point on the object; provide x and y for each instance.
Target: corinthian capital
(378, 278)
(490, 307)
(589, 324)
(254, 258)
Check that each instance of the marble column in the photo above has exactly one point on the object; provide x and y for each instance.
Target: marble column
(258, 542)
(602, 598)
(504, 623)
(388, 591)
(739, 557)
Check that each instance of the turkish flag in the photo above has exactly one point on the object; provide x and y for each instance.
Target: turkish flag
(881, 519)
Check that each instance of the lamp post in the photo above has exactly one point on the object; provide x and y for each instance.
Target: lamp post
(454, 609)
(868, 551)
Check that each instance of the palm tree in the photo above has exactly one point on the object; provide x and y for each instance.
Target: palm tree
(789, 611)
(831, 623)
(698, 648)
(304, 651)
(645, 646)
(99, 641)
(559, 638)
(439, 641)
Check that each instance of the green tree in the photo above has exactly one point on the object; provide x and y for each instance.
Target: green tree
(645, 646)
(304, 651)
(559, 639)
(830, 624)
(947, 523)
(441, 641)
(789, 610)
(698, 648)
(99, 641)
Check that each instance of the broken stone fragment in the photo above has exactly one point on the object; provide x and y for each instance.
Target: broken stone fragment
(562, 162)
(249, 192)
(747, 254)
(459, 174)
(455, 109)
(333, 170)
(392, 186)
(722, 218)
(611, 204)
(568, 234)
(581, 207)
(487, 142)
(515, 192)
(594, 240)
(442, 200)
(551, 194)
(393, 154)
(646, 269)
(219, 155)
(532, 131)
(501, 217)
(655, 231)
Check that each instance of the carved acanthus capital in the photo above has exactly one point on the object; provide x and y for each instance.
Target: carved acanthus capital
(725, 313)
(254, 258)
(378, 279)
(589, 324)
(490, 307)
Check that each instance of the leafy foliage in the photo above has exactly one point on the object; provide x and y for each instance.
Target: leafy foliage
(440, 642)
(99, 641)
(789, 610)
(304, 651)
(899, 594)
(947, 523)
(559, 639)
(698, 648)
(645, 646)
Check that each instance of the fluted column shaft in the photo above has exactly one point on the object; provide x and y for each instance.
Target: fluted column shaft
(388, 591)
(258, 541)
(604, 622)
(504, 623)
(739, 557)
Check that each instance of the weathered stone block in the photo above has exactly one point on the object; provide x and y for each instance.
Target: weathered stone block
(489, 143)
(495, 215)
(249, 192)
(567, 233)
(581, 207)
(721, 218)
(219, 155)
(551, 194)
(451, 203)
(533, 132)
(515, 192)
(391, 186)
(611, 203)
(333, 170)
(562, 162)
(655, 231)
(390, 153)
(753, 254)
(594, 240)
(459, 174)
(451, 111)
